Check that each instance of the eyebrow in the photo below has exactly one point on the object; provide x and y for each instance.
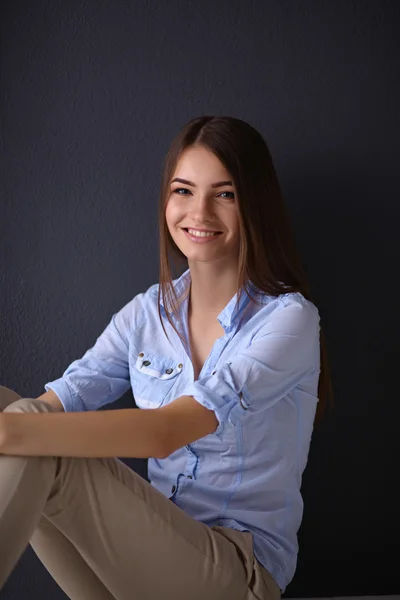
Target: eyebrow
(213, 185)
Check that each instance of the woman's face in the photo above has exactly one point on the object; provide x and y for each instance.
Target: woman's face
(204, 199)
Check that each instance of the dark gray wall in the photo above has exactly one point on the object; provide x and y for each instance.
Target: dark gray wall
(92, 93)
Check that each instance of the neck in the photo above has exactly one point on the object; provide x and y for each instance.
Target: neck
(211, 289)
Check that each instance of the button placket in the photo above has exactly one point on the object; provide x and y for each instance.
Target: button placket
(174, 488)
(242, 402)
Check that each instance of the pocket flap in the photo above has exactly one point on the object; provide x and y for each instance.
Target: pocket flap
(156, 365)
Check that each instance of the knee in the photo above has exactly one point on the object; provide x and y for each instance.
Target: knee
(7, 397)
(29, 405)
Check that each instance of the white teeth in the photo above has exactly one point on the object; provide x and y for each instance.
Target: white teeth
(201, 233)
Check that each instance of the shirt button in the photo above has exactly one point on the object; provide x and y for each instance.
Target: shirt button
(141, 354)
(169, 371)
(180, 366)
(146, 363)
(173, 488)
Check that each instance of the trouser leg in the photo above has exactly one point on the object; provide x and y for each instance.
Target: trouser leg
(64, 563)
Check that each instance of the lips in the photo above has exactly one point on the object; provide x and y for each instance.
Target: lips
(202, 239)
(202, 230)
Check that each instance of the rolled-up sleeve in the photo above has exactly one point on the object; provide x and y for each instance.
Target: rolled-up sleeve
(279, 356)
(102, 374)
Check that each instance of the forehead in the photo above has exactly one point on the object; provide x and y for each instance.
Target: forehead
(200, 162)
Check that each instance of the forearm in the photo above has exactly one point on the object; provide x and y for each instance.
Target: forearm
(51, 398)
(127, 433)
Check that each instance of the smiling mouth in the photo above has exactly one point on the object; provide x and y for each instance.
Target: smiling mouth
(201, 234)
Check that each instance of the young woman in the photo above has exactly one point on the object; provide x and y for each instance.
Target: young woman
(228, 363)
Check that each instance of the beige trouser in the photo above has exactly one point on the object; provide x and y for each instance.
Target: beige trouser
(103, 532)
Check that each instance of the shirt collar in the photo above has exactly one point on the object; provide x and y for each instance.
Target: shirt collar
(227, 316)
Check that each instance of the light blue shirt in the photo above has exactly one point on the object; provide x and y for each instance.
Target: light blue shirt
(260, 378)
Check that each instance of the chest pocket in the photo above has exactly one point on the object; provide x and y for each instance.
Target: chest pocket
(152, 377)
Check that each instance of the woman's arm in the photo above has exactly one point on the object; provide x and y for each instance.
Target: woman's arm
(51, 398)
(101, 375)
(126, 432)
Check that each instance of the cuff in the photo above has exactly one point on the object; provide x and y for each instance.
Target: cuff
(223, 402)
(68, 398)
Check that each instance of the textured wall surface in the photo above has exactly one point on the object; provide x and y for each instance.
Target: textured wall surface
(91, 95)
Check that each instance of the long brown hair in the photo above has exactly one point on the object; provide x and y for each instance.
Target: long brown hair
(268, 254)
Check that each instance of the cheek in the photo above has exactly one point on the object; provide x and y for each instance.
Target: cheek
(169, 215)
(171, 212)
(173, 216)
(234, 224)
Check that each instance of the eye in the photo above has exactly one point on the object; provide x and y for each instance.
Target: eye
(182, 192)
(232, 194)
(179, 190)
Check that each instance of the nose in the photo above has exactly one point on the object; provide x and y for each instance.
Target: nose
(201, 208)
